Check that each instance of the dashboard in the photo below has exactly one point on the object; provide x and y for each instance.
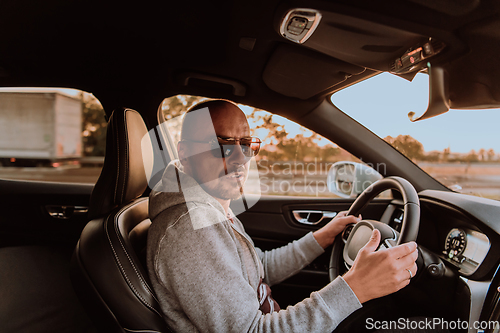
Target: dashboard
(459, 241)
(459, 229)
(465, 231)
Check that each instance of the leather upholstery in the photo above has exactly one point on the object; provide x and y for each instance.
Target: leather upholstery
(123, 177)
(108, 271)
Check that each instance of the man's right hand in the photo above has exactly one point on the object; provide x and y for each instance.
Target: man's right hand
(378, 273)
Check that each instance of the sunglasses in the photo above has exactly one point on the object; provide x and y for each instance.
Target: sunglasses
(224, 147)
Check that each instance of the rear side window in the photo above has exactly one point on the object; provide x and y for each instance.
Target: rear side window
(51, 135)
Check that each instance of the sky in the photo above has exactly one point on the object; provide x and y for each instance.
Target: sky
(382, 104)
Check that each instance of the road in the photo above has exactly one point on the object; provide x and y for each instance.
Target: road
(477, 179)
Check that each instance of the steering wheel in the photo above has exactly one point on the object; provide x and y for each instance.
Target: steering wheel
(354, 237)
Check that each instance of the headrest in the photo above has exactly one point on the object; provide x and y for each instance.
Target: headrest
(122, 177)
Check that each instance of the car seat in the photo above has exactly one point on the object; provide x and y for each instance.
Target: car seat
(108, 267)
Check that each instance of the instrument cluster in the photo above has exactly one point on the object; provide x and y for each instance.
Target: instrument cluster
(465, 249)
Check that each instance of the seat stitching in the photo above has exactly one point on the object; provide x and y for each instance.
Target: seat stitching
(119, 264)
(141, 331)
(125, 274)
(118, 165)
(126, 153)
(133, 265)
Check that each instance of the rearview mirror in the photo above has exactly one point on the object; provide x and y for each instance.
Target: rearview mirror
(349, 179)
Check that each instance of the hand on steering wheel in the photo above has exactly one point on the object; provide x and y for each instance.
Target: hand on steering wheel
(378, 273)
(326, 235)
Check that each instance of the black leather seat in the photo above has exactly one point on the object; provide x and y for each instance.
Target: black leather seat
(108, 271)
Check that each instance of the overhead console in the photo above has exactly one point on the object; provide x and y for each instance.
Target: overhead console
(415, 58)
(359, 41)
(331, 49)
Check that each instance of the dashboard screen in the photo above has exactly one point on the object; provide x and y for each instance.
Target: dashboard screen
(466, 249)
(477, 246)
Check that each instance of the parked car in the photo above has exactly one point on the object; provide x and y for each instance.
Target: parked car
(288, 58)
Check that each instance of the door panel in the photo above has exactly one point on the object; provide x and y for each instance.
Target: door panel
(25, 207)
(35, 252)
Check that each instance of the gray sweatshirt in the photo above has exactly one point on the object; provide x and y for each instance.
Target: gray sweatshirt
(205, 269)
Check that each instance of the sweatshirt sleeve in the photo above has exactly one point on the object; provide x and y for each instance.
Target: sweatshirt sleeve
(286, 261)
(203, 271)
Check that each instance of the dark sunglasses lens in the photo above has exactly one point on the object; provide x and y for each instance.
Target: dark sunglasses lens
(249, 147)
(221, 151)
(247, 151)
(227, 150)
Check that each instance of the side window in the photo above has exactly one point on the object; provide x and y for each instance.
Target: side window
(293, 160)
(49, 134)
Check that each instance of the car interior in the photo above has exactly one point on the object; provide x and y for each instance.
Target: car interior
(86, 272)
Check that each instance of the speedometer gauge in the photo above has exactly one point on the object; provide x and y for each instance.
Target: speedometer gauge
(455, 244)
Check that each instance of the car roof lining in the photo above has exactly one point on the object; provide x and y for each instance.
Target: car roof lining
(303, 73)
(130, 54)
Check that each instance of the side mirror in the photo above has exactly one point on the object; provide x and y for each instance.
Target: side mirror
(349, 179)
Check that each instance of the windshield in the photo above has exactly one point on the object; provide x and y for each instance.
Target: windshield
(459, 148)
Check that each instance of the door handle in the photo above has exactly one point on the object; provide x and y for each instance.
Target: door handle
(65, 212)
(312, 217)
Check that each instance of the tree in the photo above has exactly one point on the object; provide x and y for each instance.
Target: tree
(176, 106)
(491, 154)
(281, 146)
(93, 126)
(446, 154)
(471, 157)
(481, 154)
(276, 132)
(407, 145)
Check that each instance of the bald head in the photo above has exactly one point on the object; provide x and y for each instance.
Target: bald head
(224, 115)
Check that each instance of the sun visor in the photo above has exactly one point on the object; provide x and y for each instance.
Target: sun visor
(298, 72)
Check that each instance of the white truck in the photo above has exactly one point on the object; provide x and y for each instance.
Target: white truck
(51, 123)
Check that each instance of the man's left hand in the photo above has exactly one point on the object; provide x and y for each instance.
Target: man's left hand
(326, 235)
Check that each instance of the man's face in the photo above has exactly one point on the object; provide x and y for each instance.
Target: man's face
(222, 178)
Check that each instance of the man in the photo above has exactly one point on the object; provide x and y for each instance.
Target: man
(204, 268)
